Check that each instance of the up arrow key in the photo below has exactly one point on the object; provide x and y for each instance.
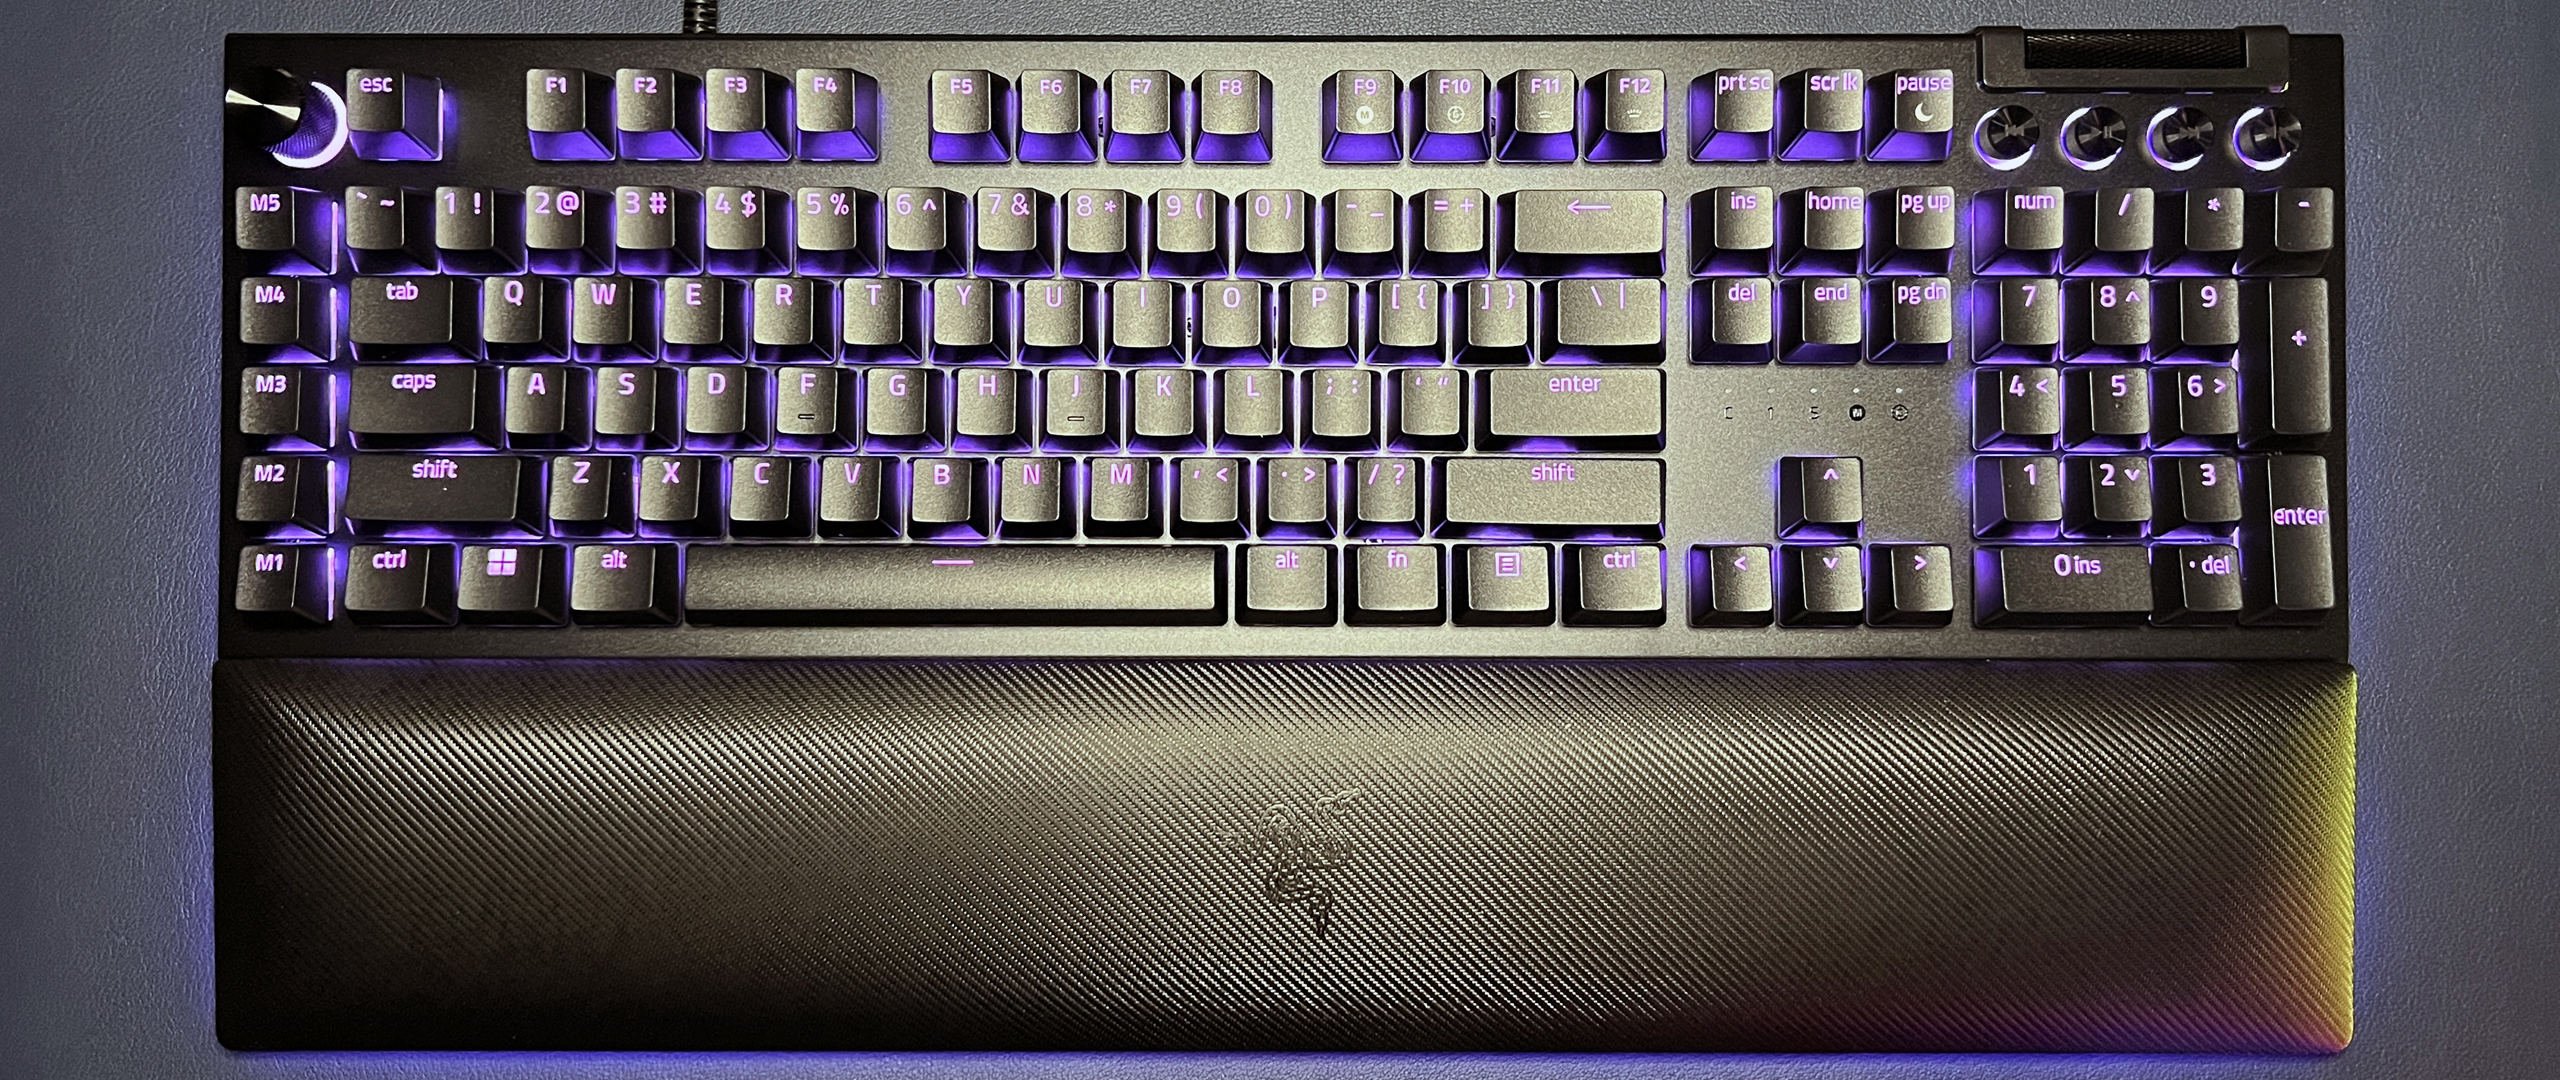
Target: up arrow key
(1820, 498)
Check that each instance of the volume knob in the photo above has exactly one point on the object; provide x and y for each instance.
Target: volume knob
(302, 123)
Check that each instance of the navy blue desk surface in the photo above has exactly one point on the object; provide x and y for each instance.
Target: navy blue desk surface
(109, 220)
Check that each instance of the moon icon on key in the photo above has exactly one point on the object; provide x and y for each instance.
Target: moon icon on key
(1920, 112)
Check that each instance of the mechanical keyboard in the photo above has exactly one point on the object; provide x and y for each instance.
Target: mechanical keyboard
(1998, 346)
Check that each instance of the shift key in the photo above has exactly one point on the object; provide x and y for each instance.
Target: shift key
(1575, 409)
(1586, 498)
(1560, 232)
(456, 494)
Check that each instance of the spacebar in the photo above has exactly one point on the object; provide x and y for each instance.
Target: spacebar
(976, 585)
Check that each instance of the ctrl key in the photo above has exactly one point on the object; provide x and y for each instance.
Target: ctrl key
(400, 584)
(623, 583)
(285, 585)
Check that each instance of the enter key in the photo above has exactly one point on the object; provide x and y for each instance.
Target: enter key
(1569, 409)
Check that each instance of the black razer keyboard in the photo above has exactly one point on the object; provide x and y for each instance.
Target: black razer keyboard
(1992, 346)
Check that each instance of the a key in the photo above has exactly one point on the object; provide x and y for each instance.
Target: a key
(854, 499)
(1492, 322)
(739, 233)
(462, 493)
(1919, 116)
(285, 230)
(2025, 231)
(2197, 406)
(1028, 584)
(400, 584)
(1286, 585)
(1613, 585)
(1150, 322)
(390, 230)
(1729, 586)
(1629, 123)
(1360, 111)
(2289, 232)
(2107, 407)
(285, 585)
(1253, 410)
(1278, 240)
(568, 114)
(724, 407)
(679, 495)
(1386, 496)
(1826, 230)
(2017, 497)
(924, 228)
(947, 499)
(971, 322)
(2286, 564)
(565, 232)
(1920, 234)
(420, 405)
(1395, 585)
(742, 114)
(1449, 108)
(1732, 114)
(1404, 322)
(1031, 499)
(475, 230)
(2017, 408)
(969, 116)
(813, 408)
(1824, 115)
(2195, 584)
(1735, 321)
(1449, 233)
(883, 320)
(1577, 497)
(1508, 585)
(636, 408)
(657, 115)
(2204, 323)
(1189, 234)
(1209, 497)
(1429, 410)
(288, 318)
(2094, 585)
(1557, 232)
(1058, 108)
(287, 494)
(413, 318)
(1363, 239)
(2195, 497)
(789, 319)
(1235, 117)
(1550, 408)
(1099, 238)
(1057, 323)
(1142, 122)
(1825, 322)
(1079, 410)
(2205, 234)
(510, 585)
(1120, 498)
(623, 584)
(1821, 498)
(656, 230)
(831, 227)
(1165, 410)
(1013, 232)
(2106, 497)
(1232, 314)
(288, 407)
(2017, 320)
(1535, 115)
(524, 318)
(835, 115)
(902, 410)
(590, 496)
(1297, 498)
(2110, 320)
(1914, 585)
(1605, 320)
(545, 407)
(1821, 585)
(2285, 362)
(2108, 231)
(701, 318)
(1911, 320)
(1342, 409)
(1733, 230)
(394, 115)
(989, 411)
(1316, 319)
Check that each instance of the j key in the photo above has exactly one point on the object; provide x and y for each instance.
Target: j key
(790, 319)
(1737, 321)
(518, 585)
(1825, 115)
(286, 584)
(286, 318)
(967, 327)
(1057, 117)
(564, 233)
(968, 116)
(545, 407)
(2017, 320)
(1919, 235)
(1253, 410)
(2286, 561)
(1429, 410)
(1150, 322)
(1363, 240)
(1630, 124)
(2107, 407)
(1821, 586)
(1013, 232)
(1342, 409)
(2290, 231)
(2109, 231)
(1729, 586)
(623, 584)
(1316, 318)
(1911, 320)
(2286, 360)
(1825, 321)
(2110, 319)
(1100, 240)
(1079, 410)
(679, 496)
(814, 407)
(2107, 496)
(1826, 230)
(1360, 117)
(902, 409)
(590, 496)
(1232, 314)
(1534, 115)
(831, 226)
(419, 317)
(1733, 230)
(853, 500)
(1613, 585)
(989, 410)
(2021, 231)
(2062, 586)
(1278, 234)
(1914, 585)
(568, 114)
(742, 114)
(2018, 497)
(1030, 498)
(1449, 233)
(1605, 320)
(947, 499)
(1189, 234)
(524, 318)
(285, 230)
(422, 405)
(1386, 496)
(724, 407)
(1057, 323)
(2205, 233)
(1166, 410)
(1557, 408)
(1493, 322)
(288, 407)
(1583, 497)
(2195, 584)
(1286, 585)
(1821, 498)
(1395, 585)
(1120, 498)
(390, 230)
(701, 319)
(1209, 497)
(394, 115)
(287, 492)
(400, 584)
(636, 408)
(1297, 497)
(2018, 408)
(656, 230)
(1450, 106)
(2204, 323)
(476, 230)
(1036, 584)
(462, 493)
(1142, 128)
(1511, 585)
(1918, 120)
(883, 321)
(739, 233)
(2195, 496)
(1404, 322)
(657, 115)
(835, 115)
(1577, 230)
(1732, 113)
(924, 230)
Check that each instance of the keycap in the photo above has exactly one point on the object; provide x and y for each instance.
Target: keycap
(2110, 319)
(1013, 232)
(390, 230)
(289, 318)
(524, 318)
(2106, 408)
(1553, 409)
(1235, 117)
(611, 584)
(1395, 584)
(1100, 240)
(1449, 233)
(2092, 585)
(1386, 496)
(1825, 322)
(966, 326)
(989, 410)
(605, 321)
(1428, 410)
(947, 499)
(2195, 584)
(288, 407)
(1824, 115)
(740, 233)
(285, 585)
(1627, 122)
(2017, 408)
(1209, 497)
(2019, 230)
(2289, 231)
(545, 407)
(1910, 320)
(1571, 231)
(2108, 231)
(1915, 118)
(679, 495)
(656, 230)
(924, 230)
(1079, 410)
(395, 115)
(2107, 496)
(518, 585)
(1360, 111)
(1059, 322)
(1613, 585)
(2204, 323)
(835, 115)
(1166, 410)
(2285, 360)
(2286, 564)
(1508, 585)
(1092, 584)
(2017, 497)
(1404, 324)
(1286, 585)
(1534, 114)
(1492, 322)
(1733, 230)
(1734, 321)
(657, 115)
(2017, 320)
(1821, 585)
(1604, 320)
(1278, 234)
(814, 407)
(724, 408)
(2206, 231)
(790, 319)
(1826, 230)
(1232, 322)
(1918, 236)
(831, 234)
(636, 408)
(1316, 319)
(1364, 239)
(1189, 235)
(286, 494)
(969, 116)
(854, 499)
(285, 230)
(568, 114)
(1058, 108)
(1142, 127)
(743, 114)
(1821, 497)
(475, 230)
(2195, 497)
(1121, 498)
(412, 318)
(1342, 409)
(1914, 585)
(701, 319)
(903, 410)
(400, 584)
(1296, 498)
(420, 405)
(1150, 322)
(590, 496)
(564, 233)
(465, 494)
(1729, 586)
(1031, 499)
(1576, 497)
(1732, 114)
(1449, 105)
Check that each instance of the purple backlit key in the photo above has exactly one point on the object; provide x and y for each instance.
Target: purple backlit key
(1627, 120)
(1146, 117)
(1824, 116)
(1732, 114)
(924, 230)
(567, 115)
(286, 230)
(394, 115)
(972, 116)
(834, 229)
(286, 585)
(835, 115)
(1450, 113)
(1534, 112)
(478, 230)
(284, 318)
(657, 115)
(657, 230)
(565, 232)
(1058, 110)
(1360, 114)
(743, 114)
(1235, 117)
(1914, 116)
(390, 230)
(400, 584)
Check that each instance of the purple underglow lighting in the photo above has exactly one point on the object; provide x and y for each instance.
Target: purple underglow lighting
(1055, 147)
(1821, 146)
(568, 146)
(1160, 146)
(1912, 146)
(314, 144)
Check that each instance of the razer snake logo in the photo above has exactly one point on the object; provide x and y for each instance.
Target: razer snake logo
(1297, 851)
